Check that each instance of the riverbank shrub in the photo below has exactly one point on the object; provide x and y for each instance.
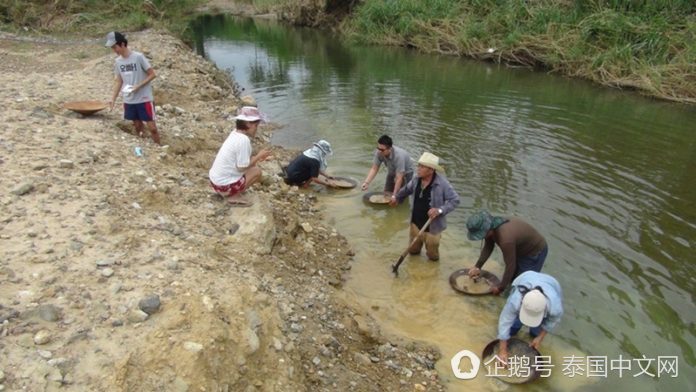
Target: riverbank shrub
(94, 16)
(643, 44)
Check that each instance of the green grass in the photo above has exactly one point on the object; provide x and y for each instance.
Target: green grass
(643, 44)
(96, 16)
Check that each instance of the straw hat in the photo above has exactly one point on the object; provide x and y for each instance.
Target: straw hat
(431, 161)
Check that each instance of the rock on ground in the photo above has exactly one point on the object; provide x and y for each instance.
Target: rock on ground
(244, 304)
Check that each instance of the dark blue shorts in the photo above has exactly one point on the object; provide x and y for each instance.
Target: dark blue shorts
(531, 263)
(144, 111)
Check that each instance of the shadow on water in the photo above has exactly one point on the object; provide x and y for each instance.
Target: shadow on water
(605, 175)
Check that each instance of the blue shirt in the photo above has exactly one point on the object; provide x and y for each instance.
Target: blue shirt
(511, 310)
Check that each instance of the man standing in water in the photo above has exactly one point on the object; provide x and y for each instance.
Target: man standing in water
(524, 249)
(536, 301)
(398, 162)
(133, 69)
(433, 197)
(234, 169)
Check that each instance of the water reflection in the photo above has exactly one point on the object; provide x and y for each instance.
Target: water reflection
(604, 175)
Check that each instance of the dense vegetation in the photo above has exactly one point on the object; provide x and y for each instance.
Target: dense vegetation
(644, 44)
(649, 45)
(95, 16)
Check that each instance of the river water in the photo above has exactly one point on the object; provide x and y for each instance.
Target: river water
(603, 174)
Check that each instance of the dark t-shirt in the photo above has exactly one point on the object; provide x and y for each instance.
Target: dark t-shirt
(421, 205)
(302, 169)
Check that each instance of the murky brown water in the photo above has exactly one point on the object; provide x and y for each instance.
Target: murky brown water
(606, 176)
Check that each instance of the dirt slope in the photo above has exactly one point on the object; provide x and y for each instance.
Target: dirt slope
(235, 299)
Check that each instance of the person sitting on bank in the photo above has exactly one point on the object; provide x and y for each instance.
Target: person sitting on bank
(397, 161)
(433, 197)
(308, 166)
(235, 169)
(523, 248)
(536, 301)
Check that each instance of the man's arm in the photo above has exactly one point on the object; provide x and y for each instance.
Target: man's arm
(150, 76)
(403, 193)
(398, 181)
(554, 315)
(510, 257)
(118, 82)
(370, 176)
(319, 181)
(486, 251)
(536, 342)
(260, 157)
(507, 318)
(451, 199)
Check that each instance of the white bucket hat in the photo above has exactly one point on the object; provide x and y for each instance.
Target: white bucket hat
(250, 113)
(324, 146)
(533, 308)
(431, 161)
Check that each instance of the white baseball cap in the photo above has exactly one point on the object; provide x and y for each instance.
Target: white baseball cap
(533, 308)
(113, 38)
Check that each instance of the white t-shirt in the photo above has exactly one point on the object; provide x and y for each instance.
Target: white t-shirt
(234, 153)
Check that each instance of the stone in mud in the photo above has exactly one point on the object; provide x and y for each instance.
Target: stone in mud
(137, 316)
(150, 304)
(48, 312)
(193, 347)
(23, 189)
(42, 337)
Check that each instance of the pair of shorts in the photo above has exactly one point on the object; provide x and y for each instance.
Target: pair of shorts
(230, 189)
(144, 111)
(531, 263)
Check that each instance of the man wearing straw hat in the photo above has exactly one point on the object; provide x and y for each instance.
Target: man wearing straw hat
(536, 301)
(433, 197)
(306, 167)
(235, 169)
(523, 248)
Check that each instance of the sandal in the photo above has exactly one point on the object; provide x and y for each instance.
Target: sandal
(238, 202)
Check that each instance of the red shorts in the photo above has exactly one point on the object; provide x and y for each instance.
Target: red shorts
(230, 189)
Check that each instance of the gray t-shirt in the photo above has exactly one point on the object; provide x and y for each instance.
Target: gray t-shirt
(133, 70)
(399, 161)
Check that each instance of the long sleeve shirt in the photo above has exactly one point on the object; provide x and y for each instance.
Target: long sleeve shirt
(511, 310)
(442, 196)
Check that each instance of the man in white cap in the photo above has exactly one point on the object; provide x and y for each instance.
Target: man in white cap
(536, 300)
(234, 169)
(433, 197)
(308, 166)
(133, 75)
